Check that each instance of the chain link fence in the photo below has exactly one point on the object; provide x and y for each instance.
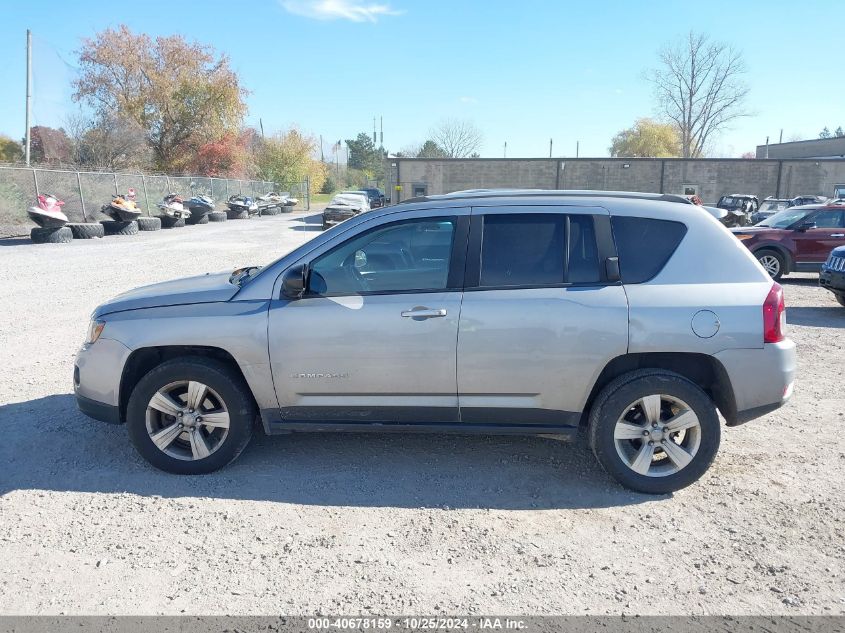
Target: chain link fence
(85, 193)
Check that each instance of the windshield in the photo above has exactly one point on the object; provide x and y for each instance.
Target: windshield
(774, 205)
(786, 218)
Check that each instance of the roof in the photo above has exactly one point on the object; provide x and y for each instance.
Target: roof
(474, 194)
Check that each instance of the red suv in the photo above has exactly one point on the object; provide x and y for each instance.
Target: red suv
(797, 239)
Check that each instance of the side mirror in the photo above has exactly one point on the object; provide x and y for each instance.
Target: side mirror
(806, 226)
(611, 269)
(293, 281)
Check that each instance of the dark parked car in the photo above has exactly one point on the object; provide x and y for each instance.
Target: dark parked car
(376, 197)
(800, 201)
(769, 207)
(797, 239)
(832, 276)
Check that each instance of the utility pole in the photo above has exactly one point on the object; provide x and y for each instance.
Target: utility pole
(577, 148)
(781, 136)
(505, 155)
(550, 148)
(261, 125)
(322, 158)
(381, 128)
(28, 141)
(767, 147)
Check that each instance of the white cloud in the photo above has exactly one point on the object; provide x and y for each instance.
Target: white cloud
(338, 10)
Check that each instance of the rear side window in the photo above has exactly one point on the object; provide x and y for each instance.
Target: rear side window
(645, 245)
(531, 250)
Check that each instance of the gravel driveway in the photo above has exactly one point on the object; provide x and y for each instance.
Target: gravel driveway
(389, 524)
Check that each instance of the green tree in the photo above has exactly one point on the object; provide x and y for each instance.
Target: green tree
(287, 158)
(825, 133)
(183, 95)
(430, 149)
(647, 139)
(839, 133)
(364, 155)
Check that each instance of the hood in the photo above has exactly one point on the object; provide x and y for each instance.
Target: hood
(208, 288)
(751, 230)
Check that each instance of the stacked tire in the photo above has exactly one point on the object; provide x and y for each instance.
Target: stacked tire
(217, 216)
(271, 211)
(87, 230)
(117, 227)
(52, 235)
(234, 214)
(168, 222)
(149, 224)
(197, 219)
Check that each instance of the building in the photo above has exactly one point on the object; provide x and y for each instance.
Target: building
(709, 178)
(820, 148)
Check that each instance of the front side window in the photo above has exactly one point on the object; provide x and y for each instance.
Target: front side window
(538, 250)
(406, 256)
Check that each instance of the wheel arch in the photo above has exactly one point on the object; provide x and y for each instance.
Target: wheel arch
(142, 360)
(701, 369)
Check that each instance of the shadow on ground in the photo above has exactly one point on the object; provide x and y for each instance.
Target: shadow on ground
(49, 445)
(14, 241)
(312, 222)
(827, 316)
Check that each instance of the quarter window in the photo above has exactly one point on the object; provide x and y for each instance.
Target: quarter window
(645, 245)
(407, 256)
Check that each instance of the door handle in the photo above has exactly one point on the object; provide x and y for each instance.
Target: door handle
(837, 235)
(424, 313)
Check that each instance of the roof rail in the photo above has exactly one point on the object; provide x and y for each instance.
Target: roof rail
(470, 194)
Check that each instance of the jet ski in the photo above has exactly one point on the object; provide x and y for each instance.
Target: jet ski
(172, 207)
(271, 199)
(238, 205)
(47, 213)
(199, 206)
(122, 209)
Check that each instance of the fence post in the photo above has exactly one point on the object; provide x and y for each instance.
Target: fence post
(307, 193)
(116, 192)
(35, 178)
(146, 195)
(81, 197)
(167, 182)
(227, 189)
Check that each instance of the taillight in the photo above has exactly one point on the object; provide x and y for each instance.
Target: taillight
(774, 316)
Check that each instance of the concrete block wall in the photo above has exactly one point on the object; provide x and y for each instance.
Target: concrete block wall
(711, 177)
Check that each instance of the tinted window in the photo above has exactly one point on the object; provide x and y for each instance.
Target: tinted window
(644, 246)
(530, 250)
(398, 257)
(828, 219)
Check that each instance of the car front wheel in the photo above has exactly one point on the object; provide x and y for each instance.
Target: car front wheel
(654, 431)
(190, 415)
(772, 262)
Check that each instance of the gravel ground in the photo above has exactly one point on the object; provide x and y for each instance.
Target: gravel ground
(388, 524)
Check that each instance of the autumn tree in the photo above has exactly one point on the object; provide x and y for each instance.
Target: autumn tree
(288, 158)
(10, 150)
(699, 86)
(183, 95)
(457, 138)
(230, 156)
(646, 139)
(49, 145)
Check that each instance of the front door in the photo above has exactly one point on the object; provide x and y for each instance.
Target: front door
(814, 245)
(374, 337)
(539, 320)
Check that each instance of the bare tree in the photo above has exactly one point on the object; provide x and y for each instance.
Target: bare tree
(110, 141)
(699, 86)
(457, 138)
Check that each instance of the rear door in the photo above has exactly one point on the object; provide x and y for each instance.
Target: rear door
(814, 245)
(539, 319)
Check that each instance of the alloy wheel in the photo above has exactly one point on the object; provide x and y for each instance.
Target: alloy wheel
(771, 264)
(657, 436)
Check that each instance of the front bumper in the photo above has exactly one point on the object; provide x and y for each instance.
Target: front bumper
(96, 378)
(832, 280)
(334, 218)
(762, 379)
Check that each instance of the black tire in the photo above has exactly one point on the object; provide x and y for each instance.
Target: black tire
(115, 227)
(271, 211)
(325, 226)
(168, 222)
(287, 208)
(217, 216)
(86, 231)
(149, 224)
(778, 263)
(216, 375)
(840, 299)
(52, 235)
(233, 214)
(194, 220)
(613, 402)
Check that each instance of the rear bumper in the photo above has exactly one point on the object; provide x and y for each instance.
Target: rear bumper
(762, 379)
(833, 281)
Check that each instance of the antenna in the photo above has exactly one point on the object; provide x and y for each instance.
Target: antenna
(381, 126)
(28, 141)
(374, 131)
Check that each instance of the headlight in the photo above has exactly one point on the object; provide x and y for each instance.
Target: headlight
(743, 237)
(95, 328)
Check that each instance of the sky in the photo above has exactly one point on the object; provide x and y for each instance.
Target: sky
(524, 72)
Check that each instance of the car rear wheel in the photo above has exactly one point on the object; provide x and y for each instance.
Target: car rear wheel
(654, 431)
(772, 262)
(190, 415)
(840, 299)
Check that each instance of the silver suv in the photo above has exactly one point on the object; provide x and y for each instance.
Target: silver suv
(637, 317)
